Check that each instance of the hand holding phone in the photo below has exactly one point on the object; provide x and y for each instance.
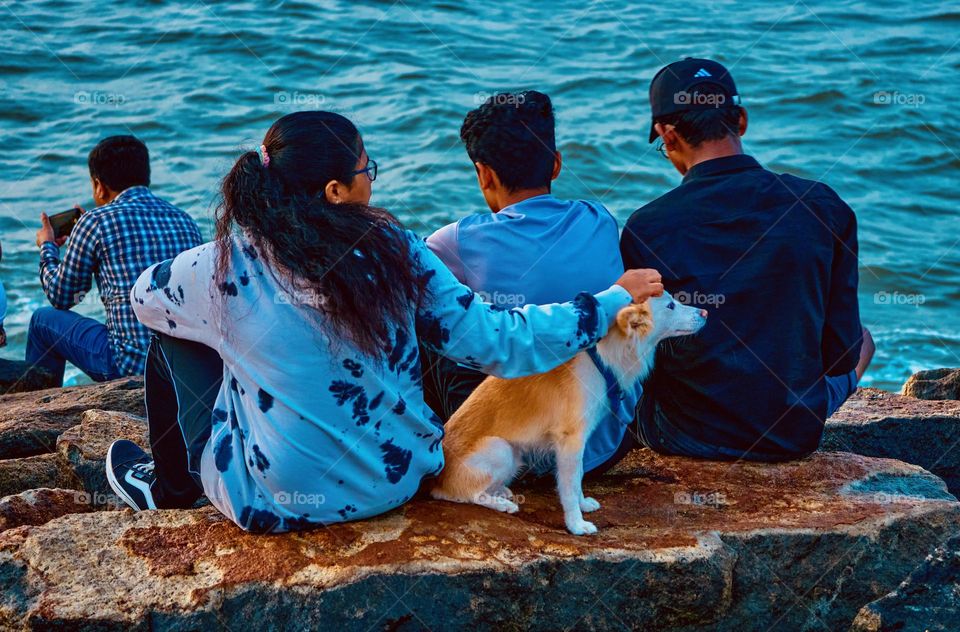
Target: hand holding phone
(55, 228)
(63, 223)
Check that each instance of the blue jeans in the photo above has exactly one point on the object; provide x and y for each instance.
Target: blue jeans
(839, 389)
(659, 436)
(58, 336)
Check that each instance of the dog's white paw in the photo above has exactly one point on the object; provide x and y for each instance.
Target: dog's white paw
(581, 527)
(511, 507)
(589, 504)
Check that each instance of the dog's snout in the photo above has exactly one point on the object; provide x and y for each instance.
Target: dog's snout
(704, 313)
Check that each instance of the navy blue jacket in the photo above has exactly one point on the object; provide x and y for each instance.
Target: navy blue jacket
(774, 260)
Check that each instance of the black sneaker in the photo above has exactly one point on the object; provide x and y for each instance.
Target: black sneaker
(130, 474)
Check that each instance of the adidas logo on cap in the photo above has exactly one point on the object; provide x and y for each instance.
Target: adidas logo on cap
(702, 73)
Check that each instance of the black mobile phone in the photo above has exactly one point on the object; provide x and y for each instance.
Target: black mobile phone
(63, 223)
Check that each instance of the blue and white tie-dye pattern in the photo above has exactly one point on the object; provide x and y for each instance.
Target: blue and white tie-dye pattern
(309, 431)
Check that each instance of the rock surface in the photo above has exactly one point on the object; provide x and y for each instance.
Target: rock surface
(934, 384)
(83, 449)
(43, 470)
(884, 424)
(928, 600)
(31, 422)
(39, 506)
(683, 544)
(17, 376)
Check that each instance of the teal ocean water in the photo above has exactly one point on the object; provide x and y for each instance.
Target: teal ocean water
(861, 95)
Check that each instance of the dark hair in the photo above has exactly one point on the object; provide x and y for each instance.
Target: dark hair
(698, 126)
(513, 134)
(120, 162)
(355, 258)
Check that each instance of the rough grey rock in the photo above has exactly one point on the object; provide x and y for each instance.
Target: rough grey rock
(31, 422)
(39, 506)
(934, 384)
(884, 424)
(43, 470)
(929, 599)
(17, 376)
(78, 462)
(683, 544)
(83, 449)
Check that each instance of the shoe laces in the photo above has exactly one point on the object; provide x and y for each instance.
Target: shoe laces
(145, 469)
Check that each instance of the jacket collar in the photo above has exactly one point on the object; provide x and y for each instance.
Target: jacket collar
(727, 164)
(132, 193)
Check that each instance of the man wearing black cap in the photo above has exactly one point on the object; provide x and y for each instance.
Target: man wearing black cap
(772, 256)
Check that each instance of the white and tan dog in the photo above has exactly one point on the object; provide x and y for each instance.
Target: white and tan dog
(505, 420)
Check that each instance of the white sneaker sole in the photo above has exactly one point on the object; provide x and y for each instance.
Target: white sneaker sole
(115, 484)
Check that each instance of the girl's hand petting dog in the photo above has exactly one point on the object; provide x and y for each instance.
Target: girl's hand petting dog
(642, 283)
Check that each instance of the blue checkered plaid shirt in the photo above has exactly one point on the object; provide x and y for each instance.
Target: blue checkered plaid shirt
(115, 243)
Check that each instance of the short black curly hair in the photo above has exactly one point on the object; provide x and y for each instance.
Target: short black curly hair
(513, 134)
(120, 162)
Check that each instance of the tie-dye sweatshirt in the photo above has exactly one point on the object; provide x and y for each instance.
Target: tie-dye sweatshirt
(307, 430)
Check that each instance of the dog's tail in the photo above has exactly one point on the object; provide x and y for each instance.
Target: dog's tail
(492, 463)
(458, 481)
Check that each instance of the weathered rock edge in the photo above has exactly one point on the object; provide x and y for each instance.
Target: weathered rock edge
(883, 424)
(684, 545)
(31, 422)
(929, 599)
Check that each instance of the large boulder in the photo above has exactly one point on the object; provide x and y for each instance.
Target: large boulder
(31, 472)
(83, 449)
(683, 544)
(39, 506)
(928, 600)
(934, 384)
(79, 460)
(884, 424)
(31, 422)
(16, 376)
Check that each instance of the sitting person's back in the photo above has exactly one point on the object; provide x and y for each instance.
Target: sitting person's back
(130, 230)
(286, 383)
(532, 247)
(538, 250)
(774, 258)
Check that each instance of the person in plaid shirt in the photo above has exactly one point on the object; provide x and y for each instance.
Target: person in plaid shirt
(130, 230)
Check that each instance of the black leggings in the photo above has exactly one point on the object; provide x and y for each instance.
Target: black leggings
(182, 380)
(446, 384)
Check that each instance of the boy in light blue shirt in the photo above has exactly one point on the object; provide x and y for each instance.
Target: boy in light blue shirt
(532, 247)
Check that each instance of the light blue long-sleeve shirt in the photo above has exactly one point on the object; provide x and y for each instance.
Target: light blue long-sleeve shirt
(307, 431)
(541, 250)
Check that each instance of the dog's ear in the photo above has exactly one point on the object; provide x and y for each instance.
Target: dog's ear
(635, 319)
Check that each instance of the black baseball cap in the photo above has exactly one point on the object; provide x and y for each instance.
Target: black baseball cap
(673, 89)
